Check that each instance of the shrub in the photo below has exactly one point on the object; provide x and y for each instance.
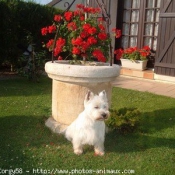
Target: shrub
(18, 20)
(124, 120)
(33, 65)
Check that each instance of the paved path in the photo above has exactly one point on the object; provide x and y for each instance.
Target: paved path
(152, 86)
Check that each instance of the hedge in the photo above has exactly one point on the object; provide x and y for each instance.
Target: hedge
(21, 21)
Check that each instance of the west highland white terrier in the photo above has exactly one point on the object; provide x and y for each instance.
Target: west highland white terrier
(89, 127)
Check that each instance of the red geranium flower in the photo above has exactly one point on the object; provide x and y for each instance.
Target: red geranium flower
(147, 48)
(60, 58)
(91, 40)
(59, 46)
(76, 51)
(143, 54)
(84, 46)
(101, 19)
(68, 15)
(99, 55)
(72, 26)
(82, 18)
(52, 29)
(92, 10)
(57, 50)
(118, 53)
(117, 33)
(78, 41)
(57, 18)
(84, 34)
(50, 43)
(44, 31)
(86, 26)
(101, 26)
(92, 30)
(102, 36)
(60, 42)
(130, 50)
(80, 6)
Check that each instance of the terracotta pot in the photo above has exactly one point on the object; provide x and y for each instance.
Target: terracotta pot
(70, 85)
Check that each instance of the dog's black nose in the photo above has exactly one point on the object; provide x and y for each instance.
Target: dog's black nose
(104, 115)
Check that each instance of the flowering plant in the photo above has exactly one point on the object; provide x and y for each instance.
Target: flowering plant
(78, 36)
(133, 53)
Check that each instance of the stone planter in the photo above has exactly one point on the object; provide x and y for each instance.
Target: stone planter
(139, 65)
(70, 84)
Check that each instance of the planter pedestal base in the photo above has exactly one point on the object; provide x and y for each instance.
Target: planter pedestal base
(68, 102)
(69, 90)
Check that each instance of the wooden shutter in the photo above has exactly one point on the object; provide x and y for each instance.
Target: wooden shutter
(165, 55)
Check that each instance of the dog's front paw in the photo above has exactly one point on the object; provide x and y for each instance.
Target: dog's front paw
(78, 151)
(99, 153)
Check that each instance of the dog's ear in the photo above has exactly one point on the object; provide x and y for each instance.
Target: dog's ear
(103, 95)
(88, 96)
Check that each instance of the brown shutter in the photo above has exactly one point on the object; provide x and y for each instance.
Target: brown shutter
(165, 55)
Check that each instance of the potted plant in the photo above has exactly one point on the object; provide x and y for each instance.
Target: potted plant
(133, 57)
(82, 48)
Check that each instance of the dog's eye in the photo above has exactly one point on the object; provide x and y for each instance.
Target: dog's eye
(96, 107)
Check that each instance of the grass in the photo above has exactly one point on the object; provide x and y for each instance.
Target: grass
(27, 145)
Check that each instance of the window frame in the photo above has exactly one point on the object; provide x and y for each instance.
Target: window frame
(141, 23)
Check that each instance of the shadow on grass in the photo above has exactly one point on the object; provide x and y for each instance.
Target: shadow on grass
(22, 138)
(26, 142)
(135, 143)
(158, 120)
(156, 130)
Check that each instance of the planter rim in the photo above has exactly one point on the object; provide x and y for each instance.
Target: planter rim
(62, 71)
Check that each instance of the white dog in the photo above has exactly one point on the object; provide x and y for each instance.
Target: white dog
(89, 127)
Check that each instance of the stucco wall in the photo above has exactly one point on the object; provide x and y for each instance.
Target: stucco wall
(64, 4)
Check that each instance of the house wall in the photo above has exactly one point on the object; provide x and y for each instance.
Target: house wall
(165, 57)
(65, 3)
(113, 17)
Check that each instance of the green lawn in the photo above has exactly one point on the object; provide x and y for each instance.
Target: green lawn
(27, 145)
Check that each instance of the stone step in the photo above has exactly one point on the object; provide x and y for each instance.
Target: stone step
(147, 74)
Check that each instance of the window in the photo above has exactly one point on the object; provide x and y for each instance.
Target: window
(151, 23)
(139, 23)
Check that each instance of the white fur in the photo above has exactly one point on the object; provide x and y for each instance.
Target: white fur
(89, 127)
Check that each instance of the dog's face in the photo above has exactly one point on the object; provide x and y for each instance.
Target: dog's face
(96, 106)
